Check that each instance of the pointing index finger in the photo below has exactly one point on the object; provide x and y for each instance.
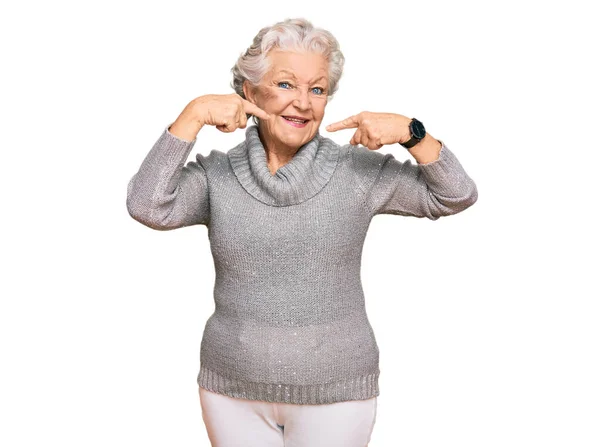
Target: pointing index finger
(255, 110)
(348, 123)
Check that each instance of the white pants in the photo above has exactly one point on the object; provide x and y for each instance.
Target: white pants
(232, 422)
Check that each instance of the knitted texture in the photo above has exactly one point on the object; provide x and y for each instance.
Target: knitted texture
(290, 323)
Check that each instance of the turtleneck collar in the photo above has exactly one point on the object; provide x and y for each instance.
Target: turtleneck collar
(298, 180)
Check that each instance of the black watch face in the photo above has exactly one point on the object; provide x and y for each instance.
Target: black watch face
(417, 129)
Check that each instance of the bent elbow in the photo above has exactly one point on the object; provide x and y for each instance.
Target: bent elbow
(142, 209)
(445, 206)
(145, 213)
(148, 218)
(139, 212)
(470, 198)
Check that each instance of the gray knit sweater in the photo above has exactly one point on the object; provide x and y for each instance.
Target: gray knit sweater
(290, 323)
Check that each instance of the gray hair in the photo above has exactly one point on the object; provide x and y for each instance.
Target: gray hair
(291, 34)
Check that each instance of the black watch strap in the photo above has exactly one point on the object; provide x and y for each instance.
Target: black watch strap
(417, 133)
(410, 143)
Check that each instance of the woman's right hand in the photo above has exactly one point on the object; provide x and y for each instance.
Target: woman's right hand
(226, 112)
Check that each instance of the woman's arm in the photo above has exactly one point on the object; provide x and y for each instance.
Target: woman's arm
(427, 150)
(437, 186)
(434, 189)
(164, 194)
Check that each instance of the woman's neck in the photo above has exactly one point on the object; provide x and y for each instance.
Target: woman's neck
(276, 156)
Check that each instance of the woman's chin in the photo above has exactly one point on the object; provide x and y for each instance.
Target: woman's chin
(291, 136)
(298, 139)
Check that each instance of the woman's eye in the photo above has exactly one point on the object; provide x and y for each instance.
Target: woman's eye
(283, 84)
(319, 90)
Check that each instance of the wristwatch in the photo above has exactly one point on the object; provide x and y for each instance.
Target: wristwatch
(417, 133)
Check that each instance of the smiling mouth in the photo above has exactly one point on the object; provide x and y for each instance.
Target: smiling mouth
(294, 120)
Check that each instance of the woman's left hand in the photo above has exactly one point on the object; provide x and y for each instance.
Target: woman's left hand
(374, 130)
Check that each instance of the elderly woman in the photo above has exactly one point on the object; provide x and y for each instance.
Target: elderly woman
(289, 355)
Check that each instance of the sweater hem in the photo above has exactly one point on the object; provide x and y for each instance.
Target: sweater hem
(358, 388)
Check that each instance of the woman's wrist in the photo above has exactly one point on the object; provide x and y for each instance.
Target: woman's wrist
(185, 128)
(427, 150)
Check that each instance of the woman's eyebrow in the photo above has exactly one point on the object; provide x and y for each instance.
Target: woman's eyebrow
(319, 78)
(291, 73)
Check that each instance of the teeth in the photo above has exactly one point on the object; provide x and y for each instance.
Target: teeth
(295, 120)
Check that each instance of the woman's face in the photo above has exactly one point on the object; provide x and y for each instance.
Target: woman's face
(296, 86)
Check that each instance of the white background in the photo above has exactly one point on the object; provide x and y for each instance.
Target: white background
(487, 321)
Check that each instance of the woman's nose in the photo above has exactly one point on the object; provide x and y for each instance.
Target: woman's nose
(302, 100)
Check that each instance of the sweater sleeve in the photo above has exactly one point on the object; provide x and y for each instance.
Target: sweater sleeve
(164, 194)
(431, 190)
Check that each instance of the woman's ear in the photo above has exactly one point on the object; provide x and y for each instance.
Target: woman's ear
(248, 92)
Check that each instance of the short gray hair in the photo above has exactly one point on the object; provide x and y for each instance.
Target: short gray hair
(291, 34)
